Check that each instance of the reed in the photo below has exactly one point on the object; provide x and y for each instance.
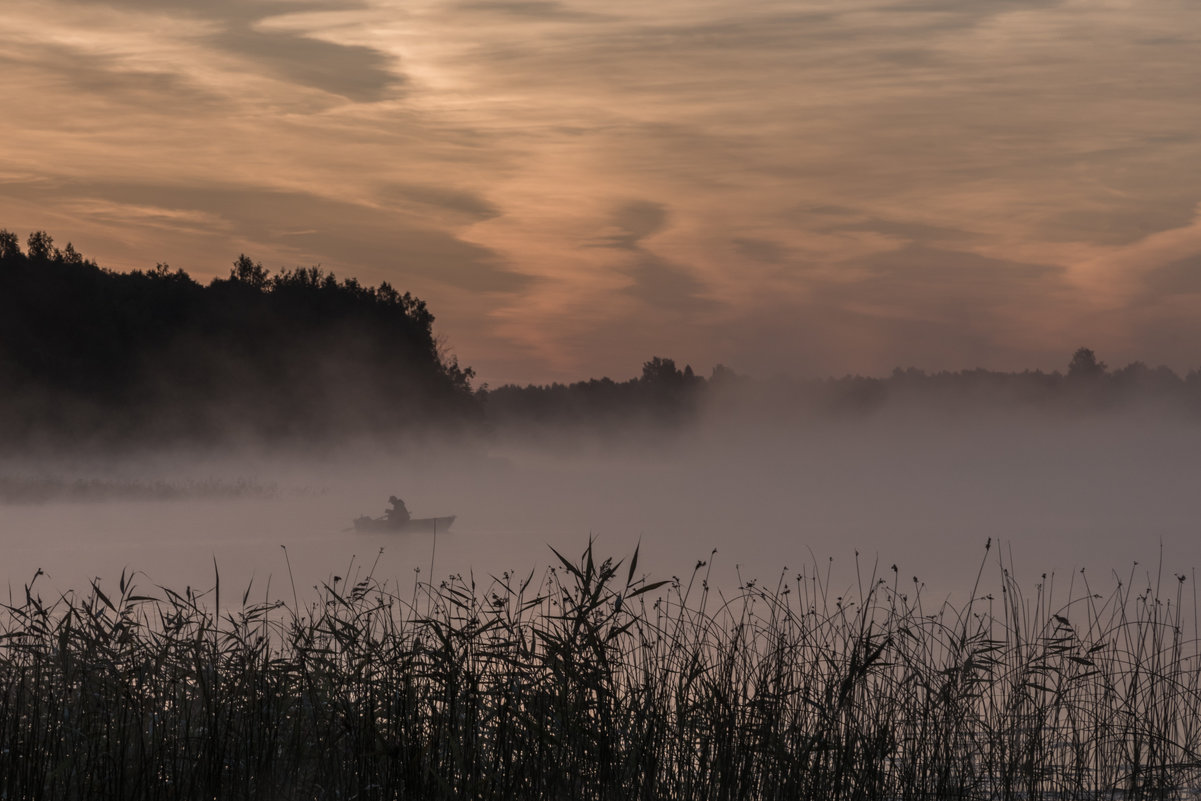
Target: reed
(591, 682)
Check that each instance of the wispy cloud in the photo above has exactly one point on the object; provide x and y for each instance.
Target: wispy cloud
(847, 182)
(354, 72)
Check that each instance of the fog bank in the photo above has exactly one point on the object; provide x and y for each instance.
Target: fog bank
(923, 493)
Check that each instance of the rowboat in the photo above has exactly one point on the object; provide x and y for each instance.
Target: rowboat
(414, 525)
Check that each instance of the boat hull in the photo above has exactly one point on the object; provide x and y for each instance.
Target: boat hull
(416, 525)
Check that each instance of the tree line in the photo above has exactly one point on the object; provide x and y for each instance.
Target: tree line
(94, 356)
(89, 355)
(668, 398)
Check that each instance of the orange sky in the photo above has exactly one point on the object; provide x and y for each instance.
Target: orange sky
(809, 187)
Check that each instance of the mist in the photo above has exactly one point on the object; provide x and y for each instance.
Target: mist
(757, 498)
(231, 432)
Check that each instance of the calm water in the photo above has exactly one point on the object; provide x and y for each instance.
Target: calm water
(925, 496)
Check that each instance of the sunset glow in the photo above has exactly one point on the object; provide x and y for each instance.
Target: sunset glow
(806, 187)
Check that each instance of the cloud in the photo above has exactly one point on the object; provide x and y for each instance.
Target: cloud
(658, 282)
(950, 14)
(928, 176)
(921, 279)
(668, 287)
(910, 231)
(635, 221)
(1119, 222)
(763, 250)
(1115, 277)
(461, 204)
(529, 10)
(941, 309)
(294, 228)
(356, 72)
(110, 76)
(235, 11)
(1177, 277)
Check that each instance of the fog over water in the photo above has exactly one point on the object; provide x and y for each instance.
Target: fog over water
(1098, 493)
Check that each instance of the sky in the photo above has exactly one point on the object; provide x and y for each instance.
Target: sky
(808, 187)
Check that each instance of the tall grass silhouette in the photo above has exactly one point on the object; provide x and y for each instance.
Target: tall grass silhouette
(591, 682)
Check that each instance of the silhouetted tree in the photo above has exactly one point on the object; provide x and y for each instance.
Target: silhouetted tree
(1084, 364)
(301, 355)
(661, 372)
(131, 356)
(248, 272)
(70, 255)
(40, 246)
(722, 375)
(10, 247)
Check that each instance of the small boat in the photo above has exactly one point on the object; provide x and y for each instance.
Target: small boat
(414, 525)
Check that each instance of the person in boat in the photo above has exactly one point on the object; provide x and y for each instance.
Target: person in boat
(397, 513)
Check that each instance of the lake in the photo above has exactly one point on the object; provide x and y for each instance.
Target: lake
(923, 494)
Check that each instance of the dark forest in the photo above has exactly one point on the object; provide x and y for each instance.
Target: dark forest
(95, 357)
(88, 355)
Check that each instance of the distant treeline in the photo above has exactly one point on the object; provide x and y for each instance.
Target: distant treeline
(666, 394)
(663, 395)
(92, 356)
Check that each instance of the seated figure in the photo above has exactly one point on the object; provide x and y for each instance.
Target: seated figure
(396, 512)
